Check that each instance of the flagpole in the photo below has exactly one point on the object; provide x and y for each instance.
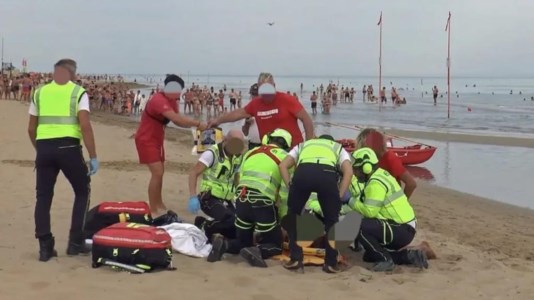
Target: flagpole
(380, 67)
(449, 67)
(2, 65)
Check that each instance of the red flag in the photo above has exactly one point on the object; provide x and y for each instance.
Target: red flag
(380, 20)
(448, 22)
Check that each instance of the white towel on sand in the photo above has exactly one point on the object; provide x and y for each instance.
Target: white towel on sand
(188, 239)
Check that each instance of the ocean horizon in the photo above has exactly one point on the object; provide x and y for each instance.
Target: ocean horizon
(478, 105)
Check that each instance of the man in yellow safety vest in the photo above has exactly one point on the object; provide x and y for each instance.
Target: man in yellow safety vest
(319, 163)
(258, 191)
(388, 224)
(59, 119)
(219, 167)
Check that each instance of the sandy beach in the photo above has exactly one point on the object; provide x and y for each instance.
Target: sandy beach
(485, 248)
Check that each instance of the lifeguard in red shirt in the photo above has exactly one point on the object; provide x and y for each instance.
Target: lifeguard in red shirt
(387, 160)
(159, 111)
(272, 110)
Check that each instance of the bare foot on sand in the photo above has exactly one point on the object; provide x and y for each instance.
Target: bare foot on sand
(425, 246)
(158, 211)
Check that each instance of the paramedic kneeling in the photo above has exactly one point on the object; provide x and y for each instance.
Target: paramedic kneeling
(219, 168)
(257, 192)
(318, 164)
(59, 119)
(388, 223)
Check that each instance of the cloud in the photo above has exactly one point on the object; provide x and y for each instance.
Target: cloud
(489, 38)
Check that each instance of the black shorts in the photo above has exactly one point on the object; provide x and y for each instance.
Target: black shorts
(232, 101)
(314, 105)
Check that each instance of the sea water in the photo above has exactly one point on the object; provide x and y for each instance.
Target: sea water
(482, 106)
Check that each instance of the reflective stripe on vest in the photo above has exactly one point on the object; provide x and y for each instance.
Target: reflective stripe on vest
(326, 152)
(392, 195)
(57, 110)
(249, 179)
(395, 206)
(219, 178)
(260, 172)
(60, 120)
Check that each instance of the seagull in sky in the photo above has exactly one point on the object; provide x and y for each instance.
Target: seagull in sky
(270, 23)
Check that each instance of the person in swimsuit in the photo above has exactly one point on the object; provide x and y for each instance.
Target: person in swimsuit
(239, 99)
(233, 99)
(313, 100)
(26, 88)
(220, 104)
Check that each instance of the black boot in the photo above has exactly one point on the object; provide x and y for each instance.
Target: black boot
(46, 249)
(296, 259)
(219, 247)
(418, 258)
(77, 246)
(253, 256)
(331, 257)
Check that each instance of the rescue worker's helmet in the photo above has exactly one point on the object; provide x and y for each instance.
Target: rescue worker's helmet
(364, 159)
(280, 137)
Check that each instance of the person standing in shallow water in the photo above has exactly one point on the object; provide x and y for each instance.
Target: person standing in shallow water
(435, 92)
(313, 99)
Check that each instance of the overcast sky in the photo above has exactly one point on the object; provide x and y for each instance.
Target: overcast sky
(310, 37)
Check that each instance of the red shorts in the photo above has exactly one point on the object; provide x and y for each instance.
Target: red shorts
(149, 152)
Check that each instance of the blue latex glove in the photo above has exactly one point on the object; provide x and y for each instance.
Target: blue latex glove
(346, 197)
(194, 204)
(93, 166)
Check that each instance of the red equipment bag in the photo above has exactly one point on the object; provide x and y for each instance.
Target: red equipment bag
(137, 245)
(109, 213)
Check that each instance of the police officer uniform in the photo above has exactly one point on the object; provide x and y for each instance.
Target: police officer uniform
(389, 223)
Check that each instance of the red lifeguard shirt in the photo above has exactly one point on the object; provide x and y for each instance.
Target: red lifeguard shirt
(391, 163)
(280, 113)
(152, 126)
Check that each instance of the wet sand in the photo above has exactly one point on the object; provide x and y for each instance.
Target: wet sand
(465, 138)
(485, 248)
(497, 140)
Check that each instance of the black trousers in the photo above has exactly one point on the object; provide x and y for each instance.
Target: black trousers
(382, 240)
(308, 178)
(65, 155)
(260, 216)
(223, 214)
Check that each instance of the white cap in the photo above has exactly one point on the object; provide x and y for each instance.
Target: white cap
(266, 89)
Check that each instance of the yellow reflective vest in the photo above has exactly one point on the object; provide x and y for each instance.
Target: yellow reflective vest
(319, 151)
(259, 171)
(219, 177)
(383, 198)
(57, 110)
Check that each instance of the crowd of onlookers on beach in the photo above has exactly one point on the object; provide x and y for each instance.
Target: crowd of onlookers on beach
(333, 94)
(106, 92)
(112, 94)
